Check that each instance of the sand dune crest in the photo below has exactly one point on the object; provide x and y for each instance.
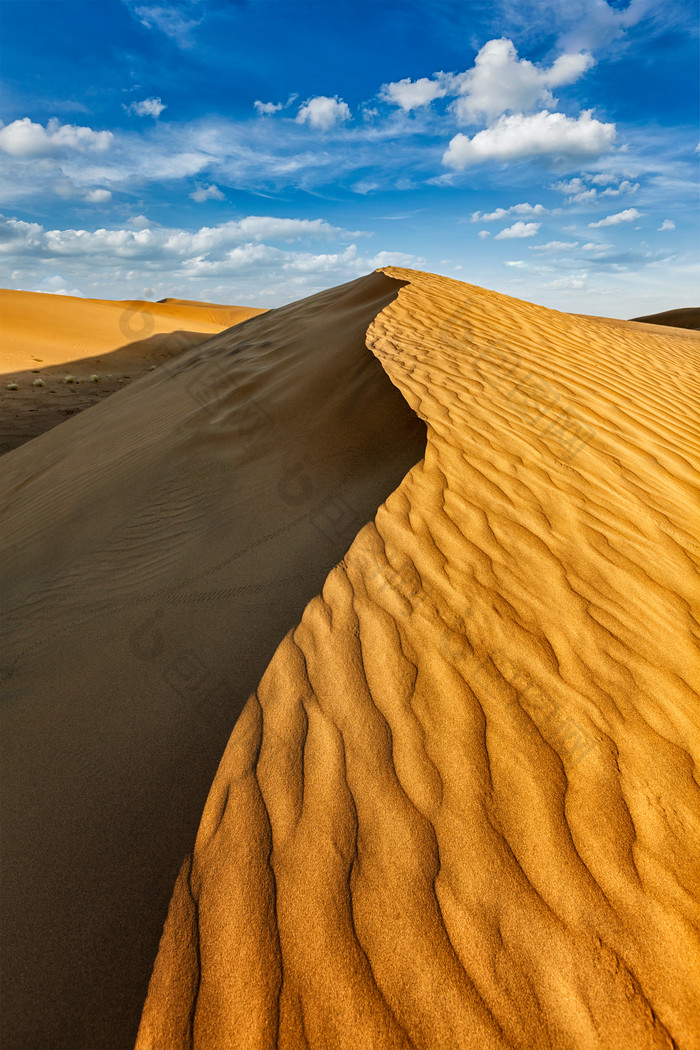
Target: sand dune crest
(461, 808)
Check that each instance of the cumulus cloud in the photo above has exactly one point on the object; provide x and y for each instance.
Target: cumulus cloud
(667, 224)
(628, 215)
(266, 109)
(502, 213)
(624, 187)
(484, 234)
(124, 261)
(23, 138)
(147, 107)
(98, 196)
(584, 189)
(57, 285)
(584, 197)
(323, 112)
(541, 134)
(519, 229)
(500, 82)
(412, 94)
(147, 242)
(207, 193)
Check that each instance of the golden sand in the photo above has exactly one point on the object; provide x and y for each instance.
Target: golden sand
(60, 354)
(460, 806)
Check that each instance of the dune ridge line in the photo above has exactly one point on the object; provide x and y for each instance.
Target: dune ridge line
(459, 809)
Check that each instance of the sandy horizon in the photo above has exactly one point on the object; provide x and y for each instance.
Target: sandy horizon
(61, 354)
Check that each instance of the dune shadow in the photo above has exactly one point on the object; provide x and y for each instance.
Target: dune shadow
(205, 509)
(43, 399)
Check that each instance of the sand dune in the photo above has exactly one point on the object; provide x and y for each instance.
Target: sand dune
(460, 807)
(46, 338)
(684, 318)
(156, 548)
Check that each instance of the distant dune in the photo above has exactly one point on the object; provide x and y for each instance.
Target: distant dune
(47, 338)
(686, 318)
(433, 552)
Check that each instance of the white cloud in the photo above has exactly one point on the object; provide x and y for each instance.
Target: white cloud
(148, 107)
(576, 185)
(500, 82)
(24, 138)
(603, 24)
(502, 213)
(57, 285)
(584, 197)
(323, 112)
(122, 262)
(147, 243)
(172, 21)
(581, 192)
(628, 215)
(484, 234)
(412, 94)
(98, 196)
(365, 186)
(625, 187)
(266, 109)
(207, 193)
(519, 229)
(554, 246)
(667, 224)
(538, 135)
(573, 281)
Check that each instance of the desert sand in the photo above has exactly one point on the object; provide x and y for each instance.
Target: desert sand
(686, 318)
(99, 346)
(420, 560)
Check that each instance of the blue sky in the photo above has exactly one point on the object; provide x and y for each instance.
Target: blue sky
(257, 151)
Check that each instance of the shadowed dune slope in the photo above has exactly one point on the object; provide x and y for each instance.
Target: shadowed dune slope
(48, 337)
(461, 809)
(155, 551)
(687, 317)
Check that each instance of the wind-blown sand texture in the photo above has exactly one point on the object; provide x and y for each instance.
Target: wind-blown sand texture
(48, 337)
(460, 806)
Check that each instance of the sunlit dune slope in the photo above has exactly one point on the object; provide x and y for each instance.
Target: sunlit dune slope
(461, 809)
(55, 329)
(101, 345)
(155, 550)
